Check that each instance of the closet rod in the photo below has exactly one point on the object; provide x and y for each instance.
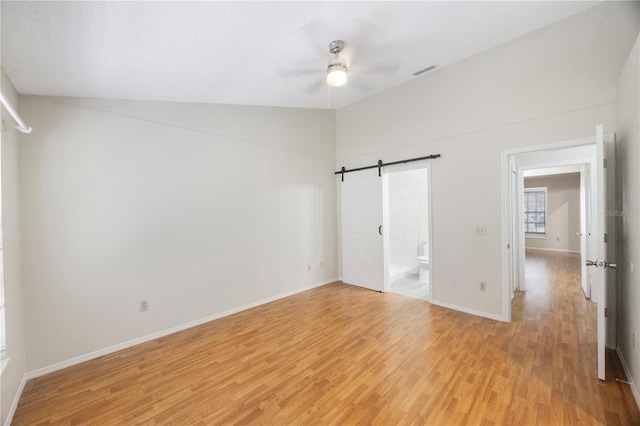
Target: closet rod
(380, 165)
(21, 124)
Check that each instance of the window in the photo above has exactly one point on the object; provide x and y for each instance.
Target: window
(535, 211)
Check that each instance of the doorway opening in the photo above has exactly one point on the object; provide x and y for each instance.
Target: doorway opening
(597, 249)
(407, 218)
(529, 226)
(556, 220)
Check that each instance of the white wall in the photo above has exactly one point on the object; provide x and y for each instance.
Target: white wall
(550, 85)
(628, 253)
(563, 212)
(197, 208)
(17, 364)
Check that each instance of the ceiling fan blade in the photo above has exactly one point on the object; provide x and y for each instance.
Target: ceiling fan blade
(366, 34)
(370, 52)
(315, 87)
(359, 85)
(312, 34)
(285, 74)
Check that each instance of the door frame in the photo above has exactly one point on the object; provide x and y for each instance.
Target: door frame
(585, 226)
(599, 202)
(580, 166)
(515, 240)
(385, 218)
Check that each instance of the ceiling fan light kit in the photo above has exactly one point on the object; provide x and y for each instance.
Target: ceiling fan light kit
(336, 75)
(336, 71)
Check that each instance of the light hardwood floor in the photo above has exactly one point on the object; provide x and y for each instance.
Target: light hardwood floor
(344, 355)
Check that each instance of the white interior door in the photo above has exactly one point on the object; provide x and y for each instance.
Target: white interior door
(610, 191)
(361, 219)
(605, 241)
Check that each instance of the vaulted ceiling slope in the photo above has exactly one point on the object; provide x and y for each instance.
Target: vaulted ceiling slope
(251, 53)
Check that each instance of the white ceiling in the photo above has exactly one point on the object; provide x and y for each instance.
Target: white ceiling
(248, 52)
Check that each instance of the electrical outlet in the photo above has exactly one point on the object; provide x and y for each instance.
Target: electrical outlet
(144, 306)
(480, 229)
(483, 286)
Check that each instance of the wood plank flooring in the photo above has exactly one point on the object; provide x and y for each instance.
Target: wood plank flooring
(340, 354)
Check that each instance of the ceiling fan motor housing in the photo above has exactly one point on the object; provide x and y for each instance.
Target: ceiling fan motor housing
(336, 46)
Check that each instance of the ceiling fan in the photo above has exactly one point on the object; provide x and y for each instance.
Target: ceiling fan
(353, 61)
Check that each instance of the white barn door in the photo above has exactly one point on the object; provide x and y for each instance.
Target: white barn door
(361, 220)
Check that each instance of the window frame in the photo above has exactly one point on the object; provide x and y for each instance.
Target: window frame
(543, 190)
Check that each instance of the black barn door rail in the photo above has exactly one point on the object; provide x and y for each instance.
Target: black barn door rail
(380, 165)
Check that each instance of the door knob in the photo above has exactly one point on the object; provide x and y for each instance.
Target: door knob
(592, 263)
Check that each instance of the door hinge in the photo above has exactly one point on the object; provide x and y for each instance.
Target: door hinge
(604, 163)
(605, 238)
(606, 312)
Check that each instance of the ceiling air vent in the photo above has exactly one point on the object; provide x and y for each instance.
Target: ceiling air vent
(422, 71)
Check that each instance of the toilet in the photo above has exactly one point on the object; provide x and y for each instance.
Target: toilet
(423, 264)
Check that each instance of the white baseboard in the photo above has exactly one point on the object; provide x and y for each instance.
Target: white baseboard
(634, 388)
(16, 400)
(549, 249)
(115, 348)
(469, 311)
